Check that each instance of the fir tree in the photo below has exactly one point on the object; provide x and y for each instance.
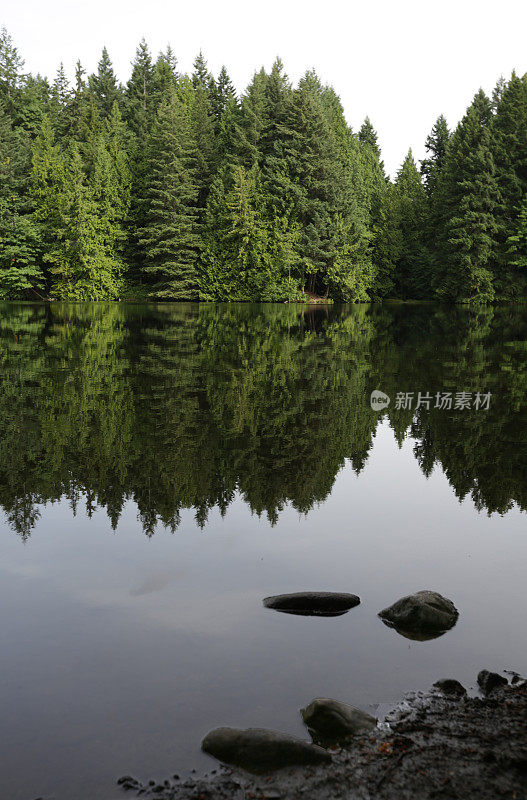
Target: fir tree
(436, 146)
(220, 92)
(411, 268)
(139, 94)
(170, 236)
(19, 275)
(509, 149)
(201, 75)
(104, 85)
(202, 124)
(165, 75)
(11, 75)
(368, 136)
(469, 196)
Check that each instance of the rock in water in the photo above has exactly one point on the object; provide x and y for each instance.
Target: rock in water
(487, 681)
(329, 719)
(260, 750)
(317, 604)
(423, 615)
(451, 687)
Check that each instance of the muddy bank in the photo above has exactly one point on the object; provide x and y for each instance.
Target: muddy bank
(433, 745)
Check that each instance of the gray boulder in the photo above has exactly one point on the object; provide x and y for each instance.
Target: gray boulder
(318, 604)
(259, 750)
(423, 615)
(330, 719)
(451, 687)
(487, 681)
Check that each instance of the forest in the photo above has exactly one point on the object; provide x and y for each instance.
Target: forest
(174, 187)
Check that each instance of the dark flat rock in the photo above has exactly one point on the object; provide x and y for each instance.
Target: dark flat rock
(318, 604)
(260, 750)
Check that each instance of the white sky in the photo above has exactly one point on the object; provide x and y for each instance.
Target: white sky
(402, 62)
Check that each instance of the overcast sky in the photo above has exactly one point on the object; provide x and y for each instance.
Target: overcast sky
(402, 62)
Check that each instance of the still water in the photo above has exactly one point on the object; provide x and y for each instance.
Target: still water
(165, 468)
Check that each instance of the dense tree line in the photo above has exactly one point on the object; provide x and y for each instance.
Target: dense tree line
(182, 406)
(172, 186)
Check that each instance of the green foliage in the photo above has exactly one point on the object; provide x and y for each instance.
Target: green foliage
(18, 236)
(469, 196)
(195, 192)
(104, 86)
(170, 237)
(509, 149)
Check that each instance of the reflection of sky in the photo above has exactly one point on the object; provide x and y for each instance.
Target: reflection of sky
(120, 652)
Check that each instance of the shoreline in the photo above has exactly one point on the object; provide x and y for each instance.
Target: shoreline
(434, 745)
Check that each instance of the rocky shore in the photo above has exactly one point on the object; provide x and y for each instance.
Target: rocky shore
(436, 745)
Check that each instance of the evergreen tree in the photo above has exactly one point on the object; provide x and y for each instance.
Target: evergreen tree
(246, 257)
(469, 198)
(19, 275)
(436, 145)
(60, 99)
(170, 236)
(139, 95)
(11, 76)
(517, 245)
(104, 85)
(220, 92)
(509, 149)
(165, 75)
(202, 124)
(412, 271)
(201, 75)
(368, 137)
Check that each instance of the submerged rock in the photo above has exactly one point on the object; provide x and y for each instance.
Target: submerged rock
(260, 750)
(487, 681)
(330, 719)
(319, 604)
(423, 615)
(451, 687)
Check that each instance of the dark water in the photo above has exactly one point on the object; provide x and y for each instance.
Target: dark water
(164, 468)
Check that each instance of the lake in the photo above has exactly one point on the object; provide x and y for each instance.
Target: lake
(166, 467)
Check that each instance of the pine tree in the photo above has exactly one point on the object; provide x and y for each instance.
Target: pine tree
(469, 198)
(412, 271)
(509, 149)
(76, 219)
(202, 124)
(517, 244)
(111, 183)
(165, 76)
(11, 76)
(60, 100)
(48, 195)
(201, 75)
(368, 136)
(19, 275)
(170, 236)
(220, 92)
(436, 145)
(104, 86)
(387, 244)
(139, 95)
(246, 257)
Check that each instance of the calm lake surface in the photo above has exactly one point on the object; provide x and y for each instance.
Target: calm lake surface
(165, 468)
